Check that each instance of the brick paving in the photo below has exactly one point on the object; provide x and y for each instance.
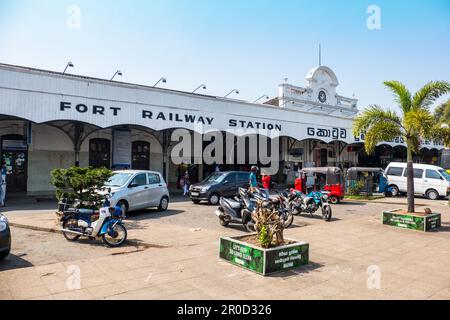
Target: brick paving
(178, 259)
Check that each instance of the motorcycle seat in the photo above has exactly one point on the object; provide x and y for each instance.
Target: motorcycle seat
(232, 203)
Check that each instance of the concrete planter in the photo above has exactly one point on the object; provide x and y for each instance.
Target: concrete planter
(419, 222)
(264, 261)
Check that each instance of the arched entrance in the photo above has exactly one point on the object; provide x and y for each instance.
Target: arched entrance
(14, 153)
(100, 153)
(140, 156)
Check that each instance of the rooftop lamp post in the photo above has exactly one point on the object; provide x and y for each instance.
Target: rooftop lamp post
(202, 86)
(69, 64)
(232, 91)
(118, 73)
(163, 80)
(263, 96)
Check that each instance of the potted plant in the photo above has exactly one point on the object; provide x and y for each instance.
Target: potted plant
(266, 251)
(415, 123)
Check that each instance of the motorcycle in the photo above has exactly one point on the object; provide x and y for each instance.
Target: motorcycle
(240, 209)
(108, 224)
(299, 203)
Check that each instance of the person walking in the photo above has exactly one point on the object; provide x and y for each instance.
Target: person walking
(253, 182)
(186, 183)
(3, 184)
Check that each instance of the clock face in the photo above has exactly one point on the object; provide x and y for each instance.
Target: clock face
(322, 96)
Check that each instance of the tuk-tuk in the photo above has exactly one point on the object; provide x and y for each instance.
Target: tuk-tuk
(326, 179)
(375, 179)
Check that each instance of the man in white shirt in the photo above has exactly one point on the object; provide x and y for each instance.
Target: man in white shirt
(2, 184)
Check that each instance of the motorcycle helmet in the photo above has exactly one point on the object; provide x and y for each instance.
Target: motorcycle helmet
(254, 169)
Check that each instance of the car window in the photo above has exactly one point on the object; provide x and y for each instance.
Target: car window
(231, 178)
(153, 178)
(140, 180)
(395, 171)
(433, 174)
(243, 177)
(418, 173)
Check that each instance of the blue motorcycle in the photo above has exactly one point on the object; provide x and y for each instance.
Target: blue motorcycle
(108, 225)
(315, 200)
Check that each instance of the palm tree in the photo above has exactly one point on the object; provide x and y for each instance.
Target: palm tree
(415, 122)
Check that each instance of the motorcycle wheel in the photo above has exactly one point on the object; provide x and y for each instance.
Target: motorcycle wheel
(334, 200)
(223, 223)
(70, 224)
(250, 225)
(289, 220)
(120, 238)
(293, 209)
(327, 213)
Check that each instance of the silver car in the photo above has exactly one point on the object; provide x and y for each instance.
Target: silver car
(134, 190)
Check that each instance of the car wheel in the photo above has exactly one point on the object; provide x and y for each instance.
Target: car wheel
(432, 194)
(124, 206)
(4, 254)
(164, 204)
(395, 192)
(214, 199)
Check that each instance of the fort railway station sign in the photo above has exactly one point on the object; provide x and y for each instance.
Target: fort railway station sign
(42, 96)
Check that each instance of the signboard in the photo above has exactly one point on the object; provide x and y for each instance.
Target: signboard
(122, 149)
(411, 221)
(264, 261)
(13, 145)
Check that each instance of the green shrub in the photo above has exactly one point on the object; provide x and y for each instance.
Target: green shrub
(81, 184)
(356, 187)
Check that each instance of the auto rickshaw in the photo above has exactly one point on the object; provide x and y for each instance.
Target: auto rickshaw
(375, 179)
(325, 179)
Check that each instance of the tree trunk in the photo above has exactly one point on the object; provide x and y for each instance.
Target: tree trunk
(410, 178)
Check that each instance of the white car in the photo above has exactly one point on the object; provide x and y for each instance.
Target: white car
(135, 190)
(430, 181)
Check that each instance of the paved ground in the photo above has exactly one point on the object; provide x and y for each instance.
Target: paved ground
(174, 256)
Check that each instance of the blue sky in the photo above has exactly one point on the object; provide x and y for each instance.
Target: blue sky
(246, 44)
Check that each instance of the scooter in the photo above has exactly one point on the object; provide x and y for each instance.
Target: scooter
(299, 202)
(108, 226)
(238, 211)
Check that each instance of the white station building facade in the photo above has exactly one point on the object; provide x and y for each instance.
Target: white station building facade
(52, 120)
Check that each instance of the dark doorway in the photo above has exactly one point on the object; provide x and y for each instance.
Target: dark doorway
(100, 153)
(140, 159)
(15, 155)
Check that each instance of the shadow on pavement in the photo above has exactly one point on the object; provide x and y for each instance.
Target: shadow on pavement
(14, 262)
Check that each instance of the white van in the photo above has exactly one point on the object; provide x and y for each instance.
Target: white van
(430, 181)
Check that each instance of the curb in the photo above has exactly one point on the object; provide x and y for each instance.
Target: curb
(132, 242)
(382, 202)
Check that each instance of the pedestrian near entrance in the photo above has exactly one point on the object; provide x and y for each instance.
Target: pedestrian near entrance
(3, 184)
(186, 183)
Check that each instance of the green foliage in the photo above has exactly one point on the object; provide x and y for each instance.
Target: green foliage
(264, 237)
(81, 184)
(442, 113)
(415, 123)
(356, 188)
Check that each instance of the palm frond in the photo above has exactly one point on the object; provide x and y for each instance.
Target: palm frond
(401, 94)
(372, 115)
(425, 97)
(420, 121)
(379, 132)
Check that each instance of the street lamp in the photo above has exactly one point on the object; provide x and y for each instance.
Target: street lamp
(202, 86)
(232, 91)
(163, 80)
(69, 64)
(118, 73)
(263, 96)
